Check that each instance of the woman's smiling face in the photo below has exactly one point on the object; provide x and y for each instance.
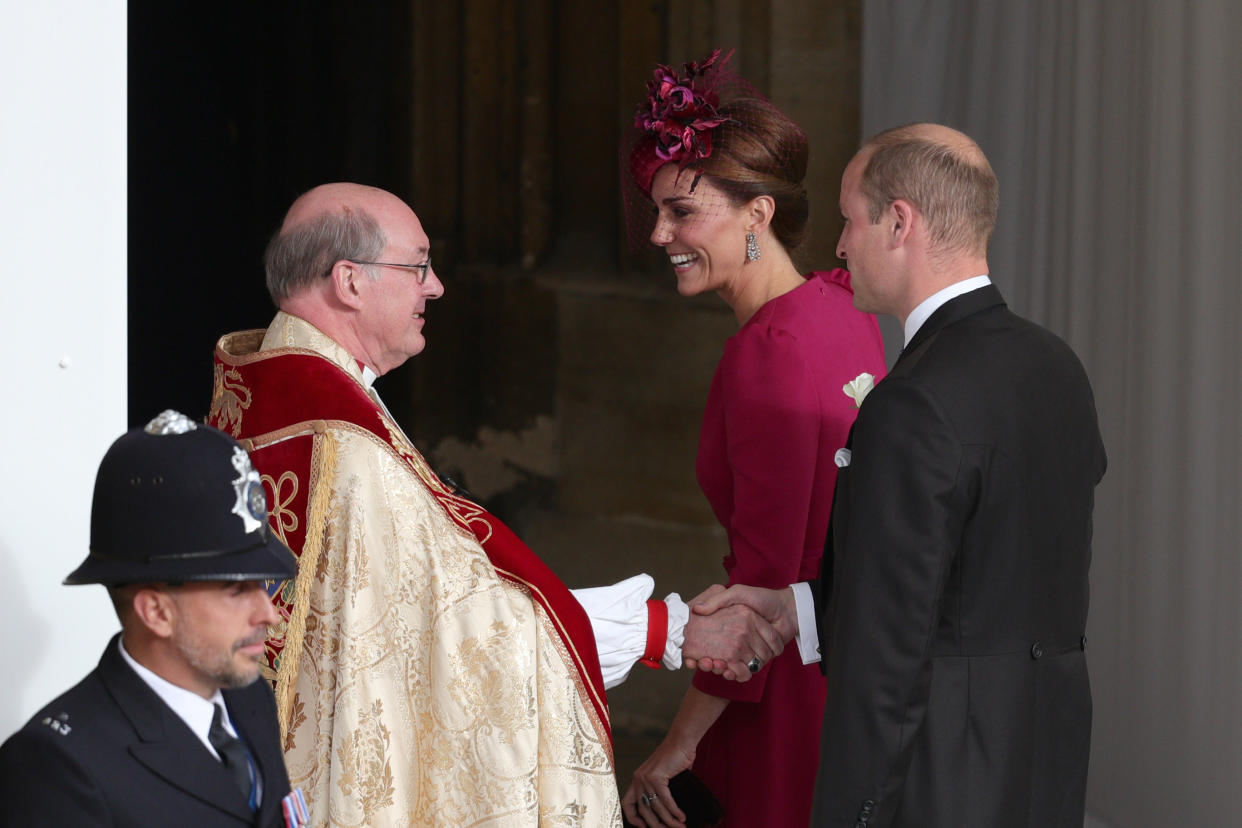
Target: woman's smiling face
(703, 233)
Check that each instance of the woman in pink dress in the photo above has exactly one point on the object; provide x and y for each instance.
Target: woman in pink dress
(723, 168)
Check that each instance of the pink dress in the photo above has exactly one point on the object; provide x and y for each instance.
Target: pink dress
(775, 417)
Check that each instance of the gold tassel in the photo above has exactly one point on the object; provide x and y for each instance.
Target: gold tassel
(323, 466)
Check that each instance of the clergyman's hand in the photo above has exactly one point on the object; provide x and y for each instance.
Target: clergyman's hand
(775, 605)
(733, 636)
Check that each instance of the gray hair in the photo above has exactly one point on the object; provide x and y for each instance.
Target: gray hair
(304, 254)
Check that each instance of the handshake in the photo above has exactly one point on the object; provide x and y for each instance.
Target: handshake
(734, 632)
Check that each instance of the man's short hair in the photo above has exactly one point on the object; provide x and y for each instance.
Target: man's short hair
(298, 257)
(122, 596)
(953, 187)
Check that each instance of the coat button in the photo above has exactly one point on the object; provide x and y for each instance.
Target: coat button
(1037, 650)
(1082, 643)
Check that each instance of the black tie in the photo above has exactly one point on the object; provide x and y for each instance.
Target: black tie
(232, 752)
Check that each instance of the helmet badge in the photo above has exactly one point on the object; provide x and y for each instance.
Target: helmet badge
(251, 505)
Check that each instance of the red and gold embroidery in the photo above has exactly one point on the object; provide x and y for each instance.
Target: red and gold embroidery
(466, 513)
(229, 399)
(283, 519)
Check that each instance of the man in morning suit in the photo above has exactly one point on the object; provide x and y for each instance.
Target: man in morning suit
(953, 598)
(172, 727)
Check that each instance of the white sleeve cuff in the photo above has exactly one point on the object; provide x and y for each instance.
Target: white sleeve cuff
(678, 615)
(808, 635)
(618, 616)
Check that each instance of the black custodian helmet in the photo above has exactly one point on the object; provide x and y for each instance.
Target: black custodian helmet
(177, 501)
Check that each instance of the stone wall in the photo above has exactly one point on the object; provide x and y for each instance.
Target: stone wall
(567, 388)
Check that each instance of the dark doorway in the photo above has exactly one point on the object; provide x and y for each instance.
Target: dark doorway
(234, 109)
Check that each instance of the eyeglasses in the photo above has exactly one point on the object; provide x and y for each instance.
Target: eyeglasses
(422, 268)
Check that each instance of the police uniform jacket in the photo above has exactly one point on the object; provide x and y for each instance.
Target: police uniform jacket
(111, 752)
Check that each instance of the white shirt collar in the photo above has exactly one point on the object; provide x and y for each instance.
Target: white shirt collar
(192, 708)
(932, 303)
(368, 376)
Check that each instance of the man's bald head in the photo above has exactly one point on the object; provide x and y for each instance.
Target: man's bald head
(325, 225)
(355, 262)
(328, 199)
(943, 173)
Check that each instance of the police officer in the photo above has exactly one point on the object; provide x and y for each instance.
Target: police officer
(172, 727)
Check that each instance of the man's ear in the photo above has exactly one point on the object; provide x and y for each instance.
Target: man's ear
(759, 212)
(903, 216)
(346, 287)
(156, 610)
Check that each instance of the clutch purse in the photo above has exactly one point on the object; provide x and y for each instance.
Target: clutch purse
(696, 801)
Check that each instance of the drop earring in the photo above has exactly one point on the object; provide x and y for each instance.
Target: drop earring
(752, 248)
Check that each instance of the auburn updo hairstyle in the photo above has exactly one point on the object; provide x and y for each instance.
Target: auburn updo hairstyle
(760, 151)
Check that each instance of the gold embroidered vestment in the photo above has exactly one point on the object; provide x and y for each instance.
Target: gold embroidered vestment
(416, 685)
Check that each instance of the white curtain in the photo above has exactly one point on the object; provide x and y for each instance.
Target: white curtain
(1115, 127)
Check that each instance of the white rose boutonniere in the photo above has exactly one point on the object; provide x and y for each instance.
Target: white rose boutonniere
(858, 388)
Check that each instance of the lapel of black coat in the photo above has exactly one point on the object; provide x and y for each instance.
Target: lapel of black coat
(253, 711)
(165, 745)
(954, 310)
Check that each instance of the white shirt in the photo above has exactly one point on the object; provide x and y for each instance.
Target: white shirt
(189, 706)
(808, 635)
(932, 303)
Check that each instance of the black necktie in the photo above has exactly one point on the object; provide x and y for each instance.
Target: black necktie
(232, 753)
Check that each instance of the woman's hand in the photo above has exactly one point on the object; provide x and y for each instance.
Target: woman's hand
(648, 800)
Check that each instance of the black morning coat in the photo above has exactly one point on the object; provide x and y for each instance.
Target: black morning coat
(111, 752)
(956, 565)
